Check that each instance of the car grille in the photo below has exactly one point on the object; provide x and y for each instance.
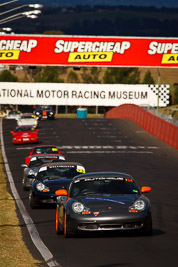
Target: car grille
(100, 227)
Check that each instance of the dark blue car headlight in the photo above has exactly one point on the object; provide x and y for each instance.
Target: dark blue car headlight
(41, 187)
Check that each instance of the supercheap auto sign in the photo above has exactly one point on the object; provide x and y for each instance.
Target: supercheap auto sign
(88, 51)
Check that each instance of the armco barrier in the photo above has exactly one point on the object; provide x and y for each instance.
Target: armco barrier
(158, 127)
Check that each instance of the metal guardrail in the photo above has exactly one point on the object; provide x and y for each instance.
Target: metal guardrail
(167, 117)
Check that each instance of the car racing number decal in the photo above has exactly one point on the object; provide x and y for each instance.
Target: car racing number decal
(43, 169)
(80, 169)
(129, 180)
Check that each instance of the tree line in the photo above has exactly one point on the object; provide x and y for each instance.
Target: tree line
(89, 75)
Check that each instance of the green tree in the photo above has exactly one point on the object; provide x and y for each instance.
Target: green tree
(91, 75)
(148, 79)
(7, 76)
(122, 76)
(48, 75)
(53, 32)
(175, 97)
(72, 77)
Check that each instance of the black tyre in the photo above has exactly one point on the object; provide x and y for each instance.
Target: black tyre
(66, 231)
(33, 204)
(147, 227)
(24, 185)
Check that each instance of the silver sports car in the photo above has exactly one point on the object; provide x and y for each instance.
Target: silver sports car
(32, 168)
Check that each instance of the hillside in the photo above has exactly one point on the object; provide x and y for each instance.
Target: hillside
(167, 75)
(103, 20)
(157, 3)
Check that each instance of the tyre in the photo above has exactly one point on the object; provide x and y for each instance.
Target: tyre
(147, 226)
(24, 185)
(33, 204)
(66, 231)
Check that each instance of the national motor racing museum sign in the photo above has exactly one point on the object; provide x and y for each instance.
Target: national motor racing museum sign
(88, 51)
(83, 94)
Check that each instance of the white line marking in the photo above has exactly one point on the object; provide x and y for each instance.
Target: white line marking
(106, 136)
(51, 137)
(108, 152)
(44, 251)
(102, 148)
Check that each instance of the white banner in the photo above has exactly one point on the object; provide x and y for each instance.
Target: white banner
(83, 94)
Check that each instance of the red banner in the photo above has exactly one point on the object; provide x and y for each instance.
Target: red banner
(88, 51)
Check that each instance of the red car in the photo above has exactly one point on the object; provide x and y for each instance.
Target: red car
(42, 149)
(25, 134)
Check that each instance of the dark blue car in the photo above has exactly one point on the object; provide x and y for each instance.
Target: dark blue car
(50, 178)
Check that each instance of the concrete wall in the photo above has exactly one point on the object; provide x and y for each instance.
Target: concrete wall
(156, 126)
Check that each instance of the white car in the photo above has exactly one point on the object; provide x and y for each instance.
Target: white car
(13, 115)
(27, 119)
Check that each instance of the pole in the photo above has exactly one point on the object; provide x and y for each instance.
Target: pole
(66, 109)
(159, 78)
(3, 4)
(19, 7)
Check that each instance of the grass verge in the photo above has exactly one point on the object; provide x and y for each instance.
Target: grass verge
(74, 115)
(13, 250)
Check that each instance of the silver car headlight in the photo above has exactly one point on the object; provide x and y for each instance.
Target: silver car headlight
(61, 158)
(77, 207)
(139, 205)
(31, 172)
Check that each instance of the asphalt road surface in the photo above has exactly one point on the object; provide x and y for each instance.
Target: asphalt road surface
(106, 145)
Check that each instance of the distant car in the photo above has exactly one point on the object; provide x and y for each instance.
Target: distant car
(103, 201)
(13, 115)
(44, 112)
(27, 119)
(25, 134)
(36, 161)
(42, 149)
(50, 178)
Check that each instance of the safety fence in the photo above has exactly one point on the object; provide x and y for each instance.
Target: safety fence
(156, 126)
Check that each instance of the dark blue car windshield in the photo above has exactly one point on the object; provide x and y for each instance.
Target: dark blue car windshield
(56, 173)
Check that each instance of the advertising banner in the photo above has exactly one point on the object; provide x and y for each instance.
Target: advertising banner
(88, 51)
(83, 94)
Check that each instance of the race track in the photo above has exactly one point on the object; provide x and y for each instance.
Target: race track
(106, 145)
